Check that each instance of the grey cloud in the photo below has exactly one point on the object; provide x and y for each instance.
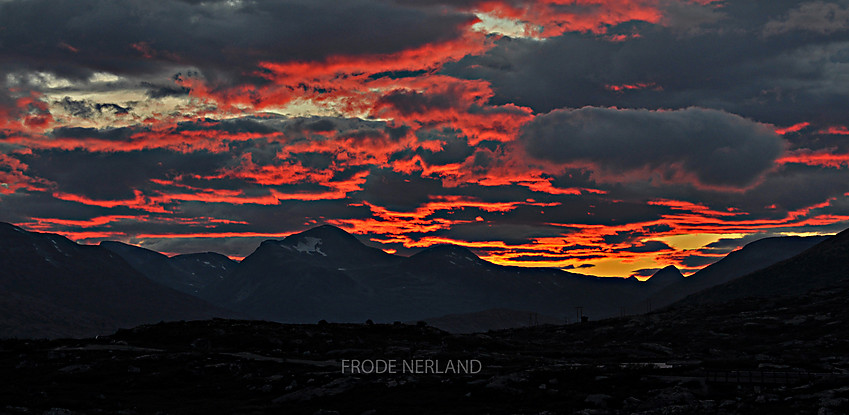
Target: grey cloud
(648, 246)
(817, 16)
(455, 148)
(690, 18)
(161, 91)
(131, 37)
(77, 108)
(726, 64)
(645, 272)
(397, 191)
(107, 176)
(582, 266)
(713, 147)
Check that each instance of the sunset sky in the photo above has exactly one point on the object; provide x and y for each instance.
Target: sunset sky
(607, 137)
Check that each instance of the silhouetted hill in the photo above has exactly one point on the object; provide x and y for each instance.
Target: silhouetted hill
(449, 256)
(325, 273)
(752, 257)
(51, 286)
(305, 277)
(189, 273)
(754, 356)
(824, 265)
(334, 247)
(494, 319)
(665, 277)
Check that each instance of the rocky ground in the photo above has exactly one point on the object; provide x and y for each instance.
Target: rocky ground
(748, 356)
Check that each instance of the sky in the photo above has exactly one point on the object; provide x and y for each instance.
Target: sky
(606, 137)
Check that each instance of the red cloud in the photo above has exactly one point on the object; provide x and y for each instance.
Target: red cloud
(836, 130)
(555, 17)
(793, 128)
(631, 87)
(824, 158)
(13, 177)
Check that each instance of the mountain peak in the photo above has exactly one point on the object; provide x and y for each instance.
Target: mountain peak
(825, 264)
(666, 275)
(329, 243)
(121, 248)
(8, 227)
(446, 251)
(323, 232)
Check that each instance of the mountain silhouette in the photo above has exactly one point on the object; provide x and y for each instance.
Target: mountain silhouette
(752, 257)
(189, 273)
(665, 277)
(52, 286)
(824, 265)
(326, 273)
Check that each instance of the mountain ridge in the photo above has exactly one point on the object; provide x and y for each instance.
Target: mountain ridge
(325, 273)
(51, 285)
(820, 266)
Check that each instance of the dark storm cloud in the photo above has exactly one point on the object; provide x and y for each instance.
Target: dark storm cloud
(21, 207)
(645, 272)
(114, 108)
(648, 246)
(455, 147)
(586, 209)
(161, 91)
(232, 126)
(412, 102)
(790, 188)
(795, 187)
(582, 266)
(502, 230)
(714, 147)
(726, 64)
(815, 16)
(106, 176)
(305, 127)
(77, 108)
(223, 39)
(397, 191)
(106, 134)
(622, 237)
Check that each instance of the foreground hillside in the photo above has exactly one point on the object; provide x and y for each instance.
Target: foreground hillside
(776, 355)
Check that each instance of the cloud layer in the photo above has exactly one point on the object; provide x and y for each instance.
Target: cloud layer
(706, 147)
(601, 135)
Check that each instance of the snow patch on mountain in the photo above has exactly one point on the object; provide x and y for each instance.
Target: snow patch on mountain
(309, 245)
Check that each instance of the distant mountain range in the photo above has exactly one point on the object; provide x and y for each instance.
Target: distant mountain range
(822, 266)
(190, 273)
(326, 273)
(752, 257)
(52, 286)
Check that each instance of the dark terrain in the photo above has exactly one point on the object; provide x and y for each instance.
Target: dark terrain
(51, 286)
(766, 356)
(326, 273)
(773, 341)
(752, 257)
